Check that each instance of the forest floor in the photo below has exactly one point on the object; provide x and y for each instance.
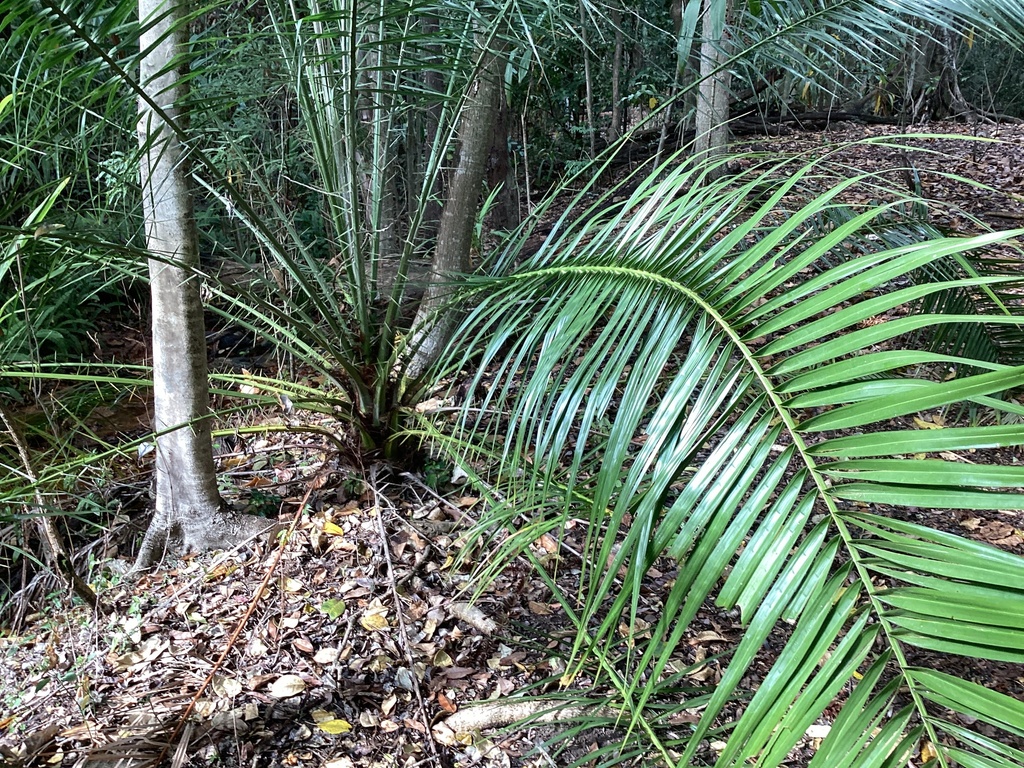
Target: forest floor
(354, 644)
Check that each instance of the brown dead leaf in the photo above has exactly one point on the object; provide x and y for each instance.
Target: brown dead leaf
(446, 704)
(547, 543)
(708, 636)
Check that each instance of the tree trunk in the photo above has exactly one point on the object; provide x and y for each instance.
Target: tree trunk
(712, 119)
(950, 101)
(434, 88)
(434, 323)
(615, 126)
(188, 506)
(504, 210)
(588, 82)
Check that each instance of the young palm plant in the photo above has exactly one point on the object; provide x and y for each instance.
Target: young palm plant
(719, 387)
(359, 73)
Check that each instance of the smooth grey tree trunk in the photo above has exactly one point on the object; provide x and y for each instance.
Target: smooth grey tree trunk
(435, 323)
(712, 118)
(188, 512)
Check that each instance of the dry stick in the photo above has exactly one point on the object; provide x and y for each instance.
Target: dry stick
(497, 714)
(456, 510)
(59, 558)
(233, 637)
(398, 614)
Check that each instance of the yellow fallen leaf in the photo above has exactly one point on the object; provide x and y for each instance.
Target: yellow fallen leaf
(928, 752)
(335, 726)
(922, 424)
(375, 618)
(333, 529)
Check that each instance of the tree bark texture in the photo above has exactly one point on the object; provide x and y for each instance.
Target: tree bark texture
(504, 211)
(188, 506)
(615, 126)
(712, 118)
(587, 81)
(435, 323)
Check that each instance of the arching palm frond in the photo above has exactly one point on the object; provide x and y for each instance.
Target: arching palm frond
(701, 378)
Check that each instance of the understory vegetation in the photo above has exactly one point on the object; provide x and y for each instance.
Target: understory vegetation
(736, 400)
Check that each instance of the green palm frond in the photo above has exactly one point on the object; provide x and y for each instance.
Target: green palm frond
(831, 46)
(708, 378)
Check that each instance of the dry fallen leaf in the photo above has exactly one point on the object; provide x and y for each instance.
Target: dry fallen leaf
(548, 543)
(228, 687)
(817, 731)
(429, 406)
(326, 656)
(333, 529)
(375, 619)
(708, 636)
(445, 703)
(928, 752)
(286, 686)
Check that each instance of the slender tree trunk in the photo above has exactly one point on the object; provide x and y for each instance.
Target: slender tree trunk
(615, 126)
(433, 85)
(188, 504)
(712, 120)
(435, 324)
(951, 100)
(591, 130)
(504, 211)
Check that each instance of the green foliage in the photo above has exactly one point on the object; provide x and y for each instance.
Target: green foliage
(758, 388)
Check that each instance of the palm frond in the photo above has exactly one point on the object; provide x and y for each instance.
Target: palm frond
(707, 342)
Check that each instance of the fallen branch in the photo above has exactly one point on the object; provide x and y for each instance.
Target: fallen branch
(495, 714)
